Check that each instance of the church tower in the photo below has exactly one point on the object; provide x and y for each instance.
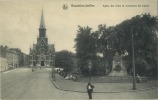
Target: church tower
(42, 29)
(42, 53)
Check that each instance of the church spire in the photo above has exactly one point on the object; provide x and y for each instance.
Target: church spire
(42, 24)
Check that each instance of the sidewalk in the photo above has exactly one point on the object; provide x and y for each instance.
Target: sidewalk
(10, 70)
(70, 85)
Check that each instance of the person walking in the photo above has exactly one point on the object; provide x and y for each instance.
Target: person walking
(138, 79)
(90, 90)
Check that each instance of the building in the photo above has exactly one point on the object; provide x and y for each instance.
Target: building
(3, 60)
(10, 58)
(42, 53)
(26, 60)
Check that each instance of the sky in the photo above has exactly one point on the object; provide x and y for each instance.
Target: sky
(20, 19)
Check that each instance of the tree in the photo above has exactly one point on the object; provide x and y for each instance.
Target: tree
(86, 49)
(110, 40)
(64, 59)
(144, 33)
(84, 43)
(88, 44)
(105, 44)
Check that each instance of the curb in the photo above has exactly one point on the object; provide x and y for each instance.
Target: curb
(65, 89)
(101, 92)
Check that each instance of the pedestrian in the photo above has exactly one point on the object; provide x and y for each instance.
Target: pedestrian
(138, 79)
(90, 90)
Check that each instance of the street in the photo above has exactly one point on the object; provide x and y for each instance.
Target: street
(23, 84)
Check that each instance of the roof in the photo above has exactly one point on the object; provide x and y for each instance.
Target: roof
(42, 24)
(51, 46)
(34, 46)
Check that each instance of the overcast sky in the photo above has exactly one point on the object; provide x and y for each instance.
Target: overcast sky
(20, 20)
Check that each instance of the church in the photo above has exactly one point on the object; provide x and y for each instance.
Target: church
(42, 53)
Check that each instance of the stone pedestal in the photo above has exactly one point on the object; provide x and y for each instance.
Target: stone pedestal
(118, 68)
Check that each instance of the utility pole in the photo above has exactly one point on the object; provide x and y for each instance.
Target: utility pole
(53, 68)
(133, 60)
(89, 67)
(157, 46)
(13, 58)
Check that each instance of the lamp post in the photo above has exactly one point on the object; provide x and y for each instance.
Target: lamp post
(89, 67)
(53, 68)
(133, 61)
(157, 46)
(13, 58)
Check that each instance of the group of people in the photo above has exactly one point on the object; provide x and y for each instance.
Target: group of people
(67, 77)
(89, 86)
(71, 77)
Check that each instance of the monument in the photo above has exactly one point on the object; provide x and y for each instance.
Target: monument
(118, 66)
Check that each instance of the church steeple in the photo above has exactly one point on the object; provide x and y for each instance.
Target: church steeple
(42, 54)
(42, 24)
(42, 29)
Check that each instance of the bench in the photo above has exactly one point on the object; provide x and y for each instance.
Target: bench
(141, 79)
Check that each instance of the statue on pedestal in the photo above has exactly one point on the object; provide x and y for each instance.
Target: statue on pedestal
(118, 68)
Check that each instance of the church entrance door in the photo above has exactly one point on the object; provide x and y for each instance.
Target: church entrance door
(42, 63)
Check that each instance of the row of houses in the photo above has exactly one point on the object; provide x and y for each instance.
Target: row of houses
(11, 58)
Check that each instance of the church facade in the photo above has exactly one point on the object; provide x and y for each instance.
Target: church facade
(42, 53)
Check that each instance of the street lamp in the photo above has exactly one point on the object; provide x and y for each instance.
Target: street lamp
(100, 56)
(133, 60)
(89, 67)
(13, 58)
(157, 46)
(53, 68)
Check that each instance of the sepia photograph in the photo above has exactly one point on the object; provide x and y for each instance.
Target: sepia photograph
(78, 49)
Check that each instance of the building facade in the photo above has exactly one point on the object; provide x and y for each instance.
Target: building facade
(10, 58)
(42, 53)
(3, 60)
